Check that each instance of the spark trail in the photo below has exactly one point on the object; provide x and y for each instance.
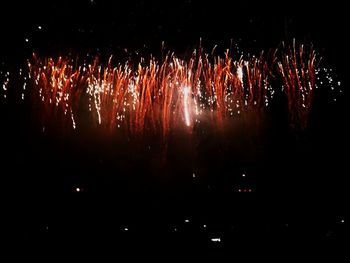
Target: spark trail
(161, 96)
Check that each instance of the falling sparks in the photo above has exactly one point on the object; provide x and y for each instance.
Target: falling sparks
(298, 68)
(159, 96)
(5, 83)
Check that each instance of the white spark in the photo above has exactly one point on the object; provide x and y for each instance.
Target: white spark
(186, 91)
(240, 74)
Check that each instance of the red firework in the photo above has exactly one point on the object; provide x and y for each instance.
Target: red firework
(165, 95)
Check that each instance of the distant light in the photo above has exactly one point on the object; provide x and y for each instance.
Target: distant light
(26, 40)
(77, 189)
(343, 221)
(39, 27)
(217, 239)
(175, 229)
(243, 175)
(249, 190)
(204, 226)
(194, 175)
(239, 190)
(126, 229)
(187, 221)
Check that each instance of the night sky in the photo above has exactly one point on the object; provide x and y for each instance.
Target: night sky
(86, 194)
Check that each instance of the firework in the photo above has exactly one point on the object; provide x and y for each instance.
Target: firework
(298, 69)
(159, 97)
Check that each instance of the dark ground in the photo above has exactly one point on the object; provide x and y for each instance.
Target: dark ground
(300, 190)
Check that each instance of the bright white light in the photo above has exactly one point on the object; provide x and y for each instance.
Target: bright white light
(187, 221)
(77, 189)
(240, 74)
(243, 175)
(186, 92)
(26, 40)
(218, 239)
(343, 221)
(39, 27)
(126, 229)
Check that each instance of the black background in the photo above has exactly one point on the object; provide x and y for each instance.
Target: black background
(299, 180)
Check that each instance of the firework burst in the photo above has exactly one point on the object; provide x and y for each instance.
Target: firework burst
(158, 97)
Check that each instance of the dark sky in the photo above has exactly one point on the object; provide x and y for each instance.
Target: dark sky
(86, 24)
(301, 179)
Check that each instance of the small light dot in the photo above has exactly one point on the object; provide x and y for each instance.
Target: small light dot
(27, 40)
(204, 226)
(39, 27)
(239, 190)
(187, 221)
(194, 175)
(77, 189)
(343, 221)
(217, 239)
(126, 229)
(243, 175)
